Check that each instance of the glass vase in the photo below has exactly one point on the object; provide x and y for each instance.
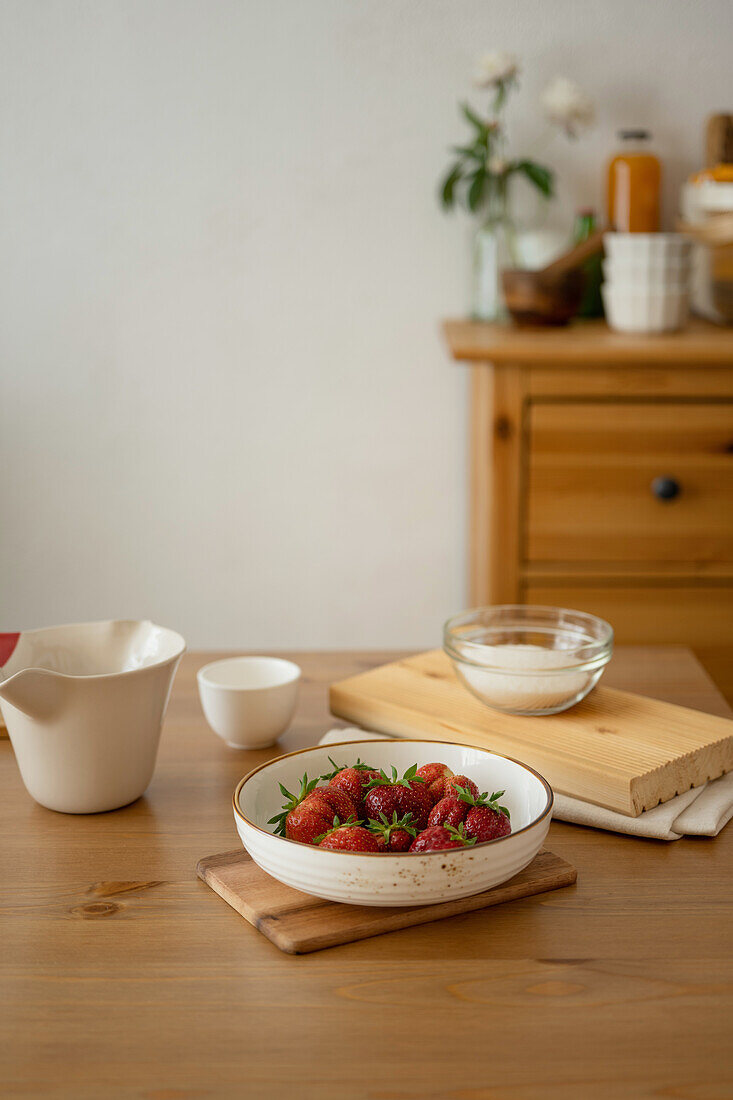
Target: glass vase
(493, 250)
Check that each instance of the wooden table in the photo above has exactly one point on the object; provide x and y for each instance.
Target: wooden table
(124, 976)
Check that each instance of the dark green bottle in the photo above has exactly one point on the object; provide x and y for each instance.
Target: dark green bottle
(591, 304)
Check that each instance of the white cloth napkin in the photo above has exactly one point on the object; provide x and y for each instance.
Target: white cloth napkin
(699, 812)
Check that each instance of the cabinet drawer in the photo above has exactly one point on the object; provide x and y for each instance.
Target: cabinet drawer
(590, 473)
(686, 614)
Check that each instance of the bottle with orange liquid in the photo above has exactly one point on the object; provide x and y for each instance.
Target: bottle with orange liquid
(634, 178)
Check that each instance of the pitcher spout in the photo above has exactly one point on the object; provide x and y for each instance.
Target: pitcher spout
(34, 691)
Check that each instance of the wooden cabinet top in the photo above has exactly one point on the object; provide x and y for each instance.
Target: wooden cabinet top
(588, 342)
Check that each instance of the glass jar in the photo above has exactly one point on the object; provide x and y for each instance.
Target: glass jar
(634, 178)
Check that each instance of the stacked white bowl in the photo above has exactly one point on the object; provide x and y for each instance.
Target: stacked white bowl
(646, 278)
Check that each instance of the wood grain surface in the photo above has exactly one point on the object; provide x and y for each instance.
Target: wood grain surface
(600, 460)
(298, 924)
(123, 976)
(700, 615)
(620, 750)
(585, 342)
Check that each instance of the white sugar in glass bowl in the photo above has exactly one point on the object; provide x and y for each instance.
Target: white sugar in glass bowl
(372, 878)
(524, 659)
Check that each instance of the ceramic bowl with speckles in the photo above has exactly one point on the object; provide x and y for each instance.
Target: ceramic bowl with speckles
(394, 879)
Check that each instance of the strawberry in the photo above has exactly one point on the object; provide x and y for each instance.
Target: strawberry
(338, 800)
(304, 815)
(358, 766)
(448, 811)
(485, 823)
(431, 772)
(293, 800)
(351, 780)
(308, 820)
(388, 794)
(315, 801)
(456, 782)
(439, 837)
(382, 799)
(393, 836)
(486, 819)
(350, 837)
(415, 800)
(441, 787)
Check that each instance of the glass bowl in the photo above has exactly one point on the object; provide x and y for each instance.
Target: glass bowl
(523, 659)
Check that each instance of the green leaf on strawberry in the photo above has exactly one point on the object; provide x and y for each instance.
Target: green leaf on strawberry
(384, 827)
(359, 766)
(385, 780)
(351, 820)
(459, 834)
(293, 800)
(483, 799)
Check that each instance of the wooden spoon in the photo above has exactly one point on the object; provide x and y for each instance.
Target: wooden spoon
(575, 257)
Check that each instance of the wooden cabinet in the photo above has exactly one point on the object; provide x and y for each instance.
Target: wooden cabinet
(602, 475)
(695, 614)
(629, 481)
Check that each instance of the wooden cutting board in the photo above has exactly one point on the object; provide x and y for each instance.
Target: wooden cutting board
(298, 923)
(622, 751)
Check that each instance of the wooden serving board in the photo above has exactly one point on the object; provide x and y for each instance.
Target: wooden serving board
(298, 923)
(622, 751)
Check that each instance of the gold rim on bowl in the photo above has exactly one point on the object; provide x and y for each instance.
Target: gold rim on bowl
(404, 741)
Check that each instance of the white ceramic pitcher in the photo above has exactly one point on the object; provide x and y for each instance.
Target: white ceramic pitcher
(84, 706)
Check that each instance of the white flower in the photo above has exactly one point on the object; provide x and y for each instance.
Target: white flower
(496, 68)
(568, 105)
(496, 165)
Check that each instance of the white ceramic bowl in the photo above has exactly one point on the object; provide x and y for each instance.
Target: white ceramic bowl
(84, 706)
(394, 879)
(629, 309)
(646, 247)
(249, 701)
(657, 274)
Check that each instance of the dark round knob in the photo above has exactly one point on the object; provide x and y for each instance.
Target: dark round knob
(665, 488)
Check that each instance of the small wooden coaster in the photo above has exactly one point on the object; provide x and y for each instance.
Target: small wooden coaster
(298, 923)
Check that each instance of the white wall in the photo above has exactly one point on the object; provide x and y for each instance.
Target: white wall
(225, 401)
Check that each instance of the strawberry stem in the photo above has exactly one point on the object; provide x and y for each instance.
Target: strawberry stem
(350, 822)
(383, 780)
(459, 834)
(483, 800)
(359, 766)
(385, 827)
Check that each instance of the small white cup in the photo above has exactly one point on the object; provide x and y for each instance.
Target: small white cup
(249, 701)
